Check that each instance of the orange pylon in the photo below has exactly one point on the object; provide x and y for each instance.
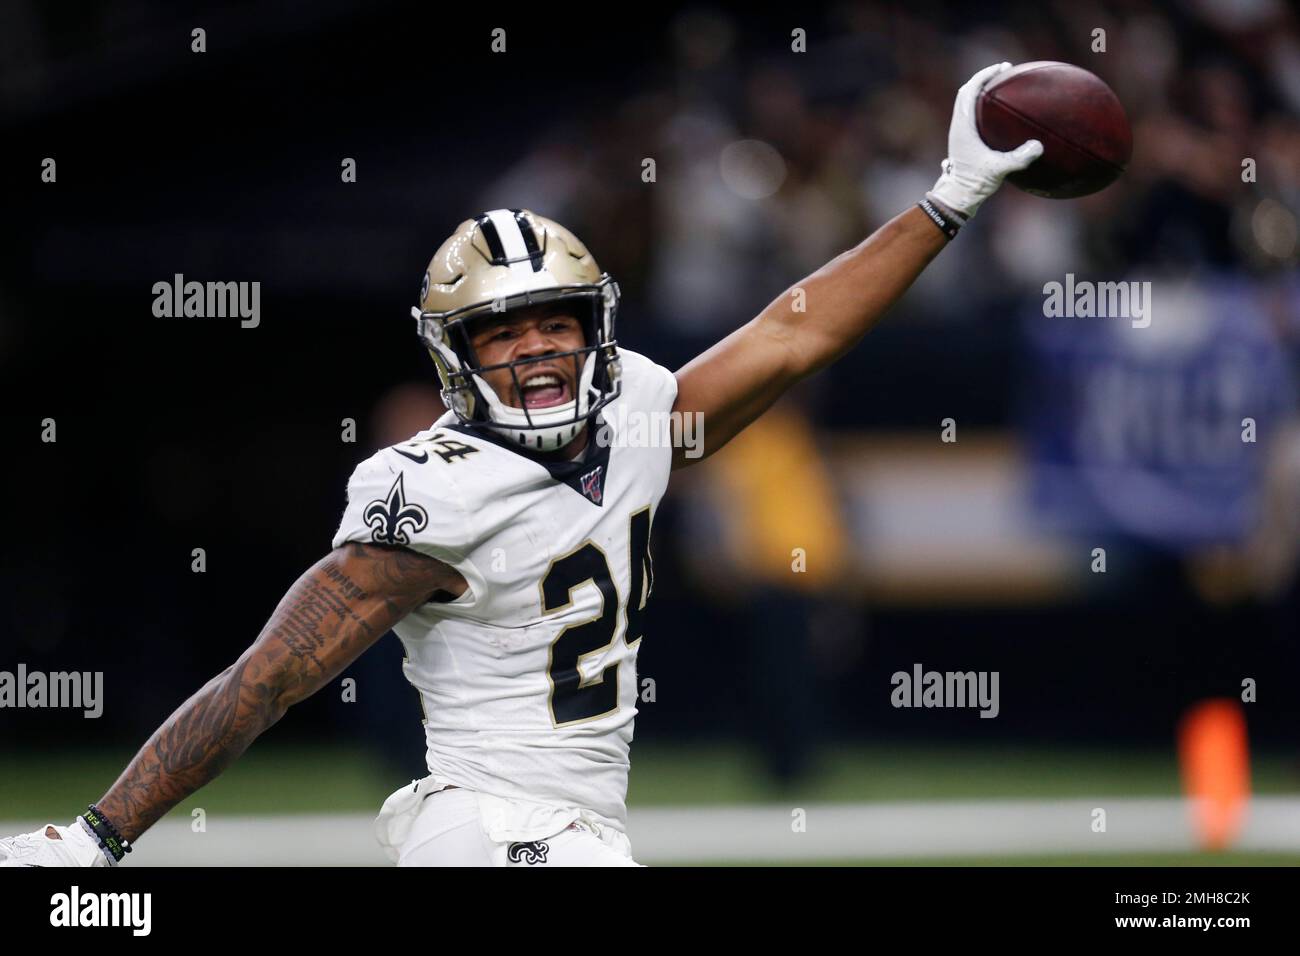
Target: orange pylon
(1214, 755)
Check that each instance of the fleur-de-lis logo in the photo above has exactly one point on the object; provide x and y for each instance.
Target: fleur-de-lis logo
(530, 853)
(388, 517)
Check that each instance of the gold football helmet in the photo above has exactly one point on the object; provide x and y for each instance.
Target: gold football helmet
(498, 261)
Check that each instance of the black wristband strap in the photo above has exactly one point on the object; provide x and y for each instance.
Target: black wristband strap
(108, 836)
(103, 850)
(948, 223)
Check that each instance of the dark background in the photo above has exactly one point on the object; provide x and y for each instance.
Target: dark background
(183, 433)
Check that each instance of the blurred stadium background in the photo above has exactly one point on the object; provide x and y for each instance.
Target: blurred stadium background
(772, 690)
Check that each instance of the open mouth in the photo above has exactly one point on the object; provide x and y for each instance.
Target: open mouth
(544, 390)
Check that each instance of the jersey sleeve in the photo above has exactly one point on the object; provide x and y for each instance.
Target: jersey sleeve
(399, 502)
(650, 386)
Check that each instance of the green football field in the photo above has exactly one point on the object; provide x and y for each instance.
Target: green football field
(271, 780)
(276, 779)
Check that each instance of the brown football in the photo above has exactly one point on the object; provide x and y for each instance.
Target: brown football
(1073, 113)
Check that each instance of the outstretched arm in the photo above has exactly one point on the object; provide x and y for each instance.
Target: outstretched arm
(738, 379)
(820, 318)
(336, 610)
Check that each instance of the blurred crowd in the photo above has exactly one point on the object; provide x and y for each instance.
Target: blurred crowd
(766, 163)
(769, 162)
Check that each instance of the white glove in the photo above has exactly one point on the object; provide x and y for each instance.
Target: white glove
(973, 172)
(73, 847)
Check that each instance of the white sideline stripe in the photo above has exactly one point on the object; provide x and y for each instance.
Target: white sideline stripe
(945, 829)
(738, 833)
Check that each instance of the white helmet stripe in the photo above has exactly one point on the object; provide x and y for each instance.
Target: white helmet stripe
(512, 239)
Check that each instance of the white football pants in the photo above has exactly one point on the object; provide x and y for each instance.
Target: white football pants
(448, 831)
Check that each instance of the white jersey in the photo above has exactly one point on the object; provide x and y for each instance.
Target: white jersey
(528, 680)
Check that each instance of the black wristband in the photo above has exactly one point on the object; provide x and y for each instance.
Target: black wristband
(948, 224)
(108, 836)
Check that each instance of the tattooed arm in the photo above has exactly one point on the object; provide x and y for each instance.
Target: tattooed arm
(336, 610)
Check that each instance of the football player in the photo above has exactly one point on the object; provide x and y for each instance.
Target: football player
(509, 544)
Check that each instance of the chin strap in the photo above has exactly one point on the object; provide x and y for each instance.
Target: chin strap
(536, 440)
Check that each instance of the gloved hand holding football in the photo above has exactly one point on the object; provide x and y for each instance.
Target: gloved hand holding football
(972, 171)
